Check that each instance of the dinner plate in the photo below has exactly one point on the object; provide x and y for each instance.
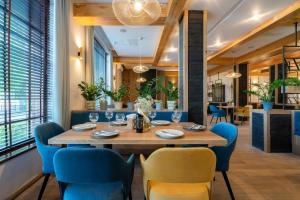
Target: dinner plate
(160, 122)
(118, 123)
(169, 133)
(84, 127)
(102, 134)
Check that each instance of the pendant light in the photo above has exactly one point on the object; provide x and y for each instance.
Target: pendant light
(218, 81)
(141, 80)
(233, 74)
(139, 69)
(136, 12)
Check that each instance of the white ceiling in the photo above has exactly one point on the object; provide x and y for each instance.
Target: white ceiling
(128, 44)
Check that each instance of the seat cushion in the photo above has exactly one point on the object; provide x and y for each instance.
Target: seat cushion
(109, 191)
(179, 191)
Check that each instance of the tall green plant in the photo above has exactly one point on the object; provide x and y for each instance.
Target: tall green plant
(169, 90)
(90, 92)
(148, 89)
(265, 91)
(118, 94)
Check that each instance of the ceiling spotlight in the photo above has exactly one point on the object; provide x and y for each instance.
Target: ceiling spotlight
(256, 16)
(140, 69)
(141, 80)
(218, 43)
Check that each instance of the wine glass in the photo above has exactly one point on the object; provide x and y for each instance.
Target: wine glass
(152, 115)
(94, 117)
(176, 117)
(120, 117)
(109, 115)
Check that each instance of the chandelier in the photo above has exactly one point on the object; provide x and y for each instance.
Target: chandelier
(233, 75)
(141, 80)
(136, 12)
(140, 69)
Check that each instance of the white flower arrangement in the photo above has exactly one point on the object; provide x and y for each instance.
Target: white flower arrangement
(144, 104)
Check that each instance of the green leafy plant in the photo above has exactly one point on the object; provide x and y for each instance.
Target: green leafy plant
(148, 89)
(169, 90)
(90, 92)
(118, 94)
(265, 91)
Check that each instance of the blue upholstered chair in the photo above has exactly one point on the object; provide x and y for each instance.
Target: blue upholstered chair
(90, 174)
(223, 153)
(216, 113)
(41, 134)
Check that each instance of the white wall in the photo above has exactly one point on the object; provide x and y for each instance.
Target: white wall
(18, 171)
(257, 79)
(228, 82)
(77, 66)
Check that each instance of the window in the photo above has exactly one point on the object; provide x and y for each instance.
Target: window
(100, 58)
(25, 70)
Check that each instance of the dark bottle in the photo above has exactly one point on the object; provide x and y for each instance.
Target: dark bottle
(139, 123)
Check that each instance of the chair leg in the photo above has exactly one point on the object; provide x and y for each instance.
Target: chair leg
(46, 178)
(228, 185)
(130, 195)
(212, 117)
(226, 119)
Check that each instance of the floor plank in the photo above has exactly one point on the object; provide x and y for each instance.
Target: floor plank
(254, 175)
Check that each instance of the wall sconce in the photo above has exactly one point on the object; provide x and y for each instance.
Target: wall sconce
(79, 53)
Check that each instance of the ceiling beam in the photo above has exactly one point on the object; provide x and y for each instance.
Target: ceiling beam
(268, 48)
(277, 59)
(285, 16)
(97, 14)
(221, 61)
(176, 8)
(133, 60)
(219, 69)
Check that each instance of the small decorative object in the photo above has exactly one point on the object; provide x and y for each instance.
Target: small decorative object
(171, 93)
(158, 104)
(130, 106)
(90, 93)
(131, 121)
(103, 104)
(117, 96)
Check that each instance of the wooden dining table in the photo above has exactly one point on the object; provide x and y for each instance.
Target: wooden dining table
(128, 136)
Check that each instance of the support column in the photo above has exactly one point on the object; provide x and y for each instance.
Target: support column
(192, 65)
(241, 84)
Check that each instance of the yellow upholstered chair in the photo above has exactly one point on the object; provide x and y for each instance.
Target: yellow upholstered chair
(178, 174)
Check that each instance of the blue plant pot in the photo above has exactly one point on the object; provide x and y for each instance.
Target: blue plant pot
(267, 106)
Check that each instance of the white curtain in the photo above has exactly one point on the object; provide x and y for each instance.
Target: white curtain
(61, 113)
(89, 55)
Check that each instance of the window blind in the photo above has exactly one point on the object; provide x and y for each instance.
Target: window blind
(25, 71)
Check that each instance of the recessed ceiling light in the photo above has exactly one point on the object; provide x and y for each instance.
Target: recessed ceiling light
(166, 59)
(256, 16)
(218, 43)
(172, 49)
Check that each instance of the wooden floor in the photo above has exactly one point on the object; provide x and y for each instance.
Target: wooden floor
(253, 174)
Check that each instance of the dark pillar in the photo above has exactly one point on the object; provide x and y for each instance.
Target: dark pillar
(272, 76)
(242, 85)
(193, 64)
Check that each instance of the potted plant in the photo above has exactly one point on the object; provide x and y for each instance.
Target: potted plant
(102, 99)
(117, 96)
(90, 93)
(171, 93)
(292, 85)
(148, 90)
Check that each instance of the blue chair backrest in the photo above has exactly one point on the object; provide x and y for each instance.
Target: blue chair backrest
(297, 123)
(41, 134)
(223, 153)
(213, 108)
(90, 165)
